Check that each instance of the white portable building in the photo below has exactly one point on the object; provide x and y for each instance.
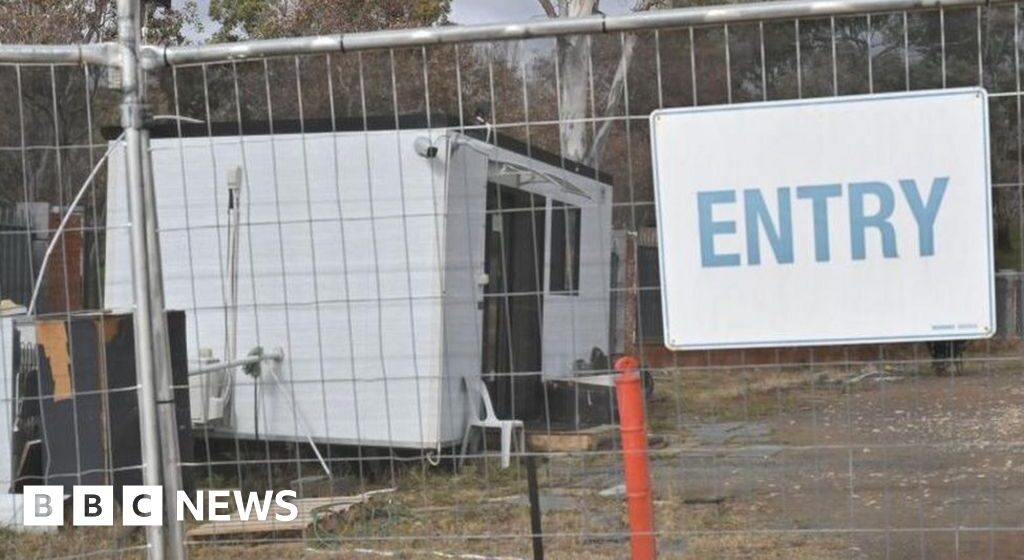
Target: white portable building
(370, 258)
(10, 504)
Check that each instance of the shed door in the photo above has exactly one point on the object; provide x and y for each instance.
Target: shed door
(567, 322)
(513, 301)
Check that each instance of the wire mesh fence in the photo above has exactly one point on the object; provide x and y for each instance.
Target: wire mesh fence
(59, 387)
(372, 258)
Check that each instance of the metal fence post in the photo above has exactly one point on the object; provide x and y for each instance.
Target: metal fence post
(166, 408)
(129, 31)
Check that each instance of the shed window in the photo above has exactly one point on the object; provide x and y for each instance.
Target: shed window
(565, 248)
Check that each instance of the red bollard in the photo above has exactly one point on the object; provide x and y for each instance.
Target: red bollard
(630, 394)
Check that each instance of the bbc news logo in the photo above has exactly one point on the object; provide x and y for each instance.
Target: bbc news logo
(144, 505)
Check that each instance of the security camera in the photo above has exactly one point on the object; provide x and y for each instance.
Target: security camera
(425, 148)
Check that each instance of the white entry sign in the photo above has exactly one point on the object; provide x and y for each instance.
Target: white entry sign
(843, 220)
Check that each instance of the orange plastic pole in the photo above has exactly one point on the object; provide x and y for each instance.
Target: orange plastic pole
(634, 457)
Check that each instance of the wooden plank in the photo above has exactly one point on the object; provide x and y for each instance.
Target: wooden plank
(572, 441)
(235, 526)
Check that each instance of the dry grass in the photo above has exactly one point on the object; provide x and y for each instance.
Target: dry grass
(749, 393)
(98, 542)
(482, 510)
(479, 511)
(766, 547)
(684, 397)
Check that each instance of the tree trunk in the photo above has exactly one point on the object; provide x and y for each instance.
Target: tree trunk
(615, 95)
(574, 82)
(574, 95)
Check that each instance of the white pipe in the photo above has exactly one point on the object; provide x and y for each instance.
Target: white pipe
(302, 420)
(214, 368)
(64, 223)
(277, 358)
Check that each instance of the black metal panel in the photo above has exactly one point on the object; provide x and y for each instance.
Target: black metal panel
(183, 410)
(88, 411)
(123, 401)
(577, 405)
(649, 324)
(16, 271)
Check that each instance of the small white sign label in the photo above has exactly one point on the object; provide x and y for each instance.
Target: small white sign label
(844, 220)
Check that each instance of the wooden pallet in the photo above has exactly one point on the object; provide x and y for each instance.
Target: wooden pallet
(598, 437)
(307, 506)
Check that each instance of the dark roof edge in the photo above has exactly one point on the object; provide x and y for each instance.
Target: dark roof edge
(169, 129)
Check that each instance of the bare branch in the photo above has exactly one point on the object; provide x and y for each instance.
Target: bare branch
(644, 5)
(549, 8)
(614, 96)
(617, 89)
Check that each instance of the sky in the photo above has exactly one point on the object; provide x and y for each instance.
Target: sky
(466, 12)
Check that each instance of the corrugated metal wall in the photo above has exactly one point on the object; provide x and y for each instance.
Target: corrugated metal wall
(16, 266)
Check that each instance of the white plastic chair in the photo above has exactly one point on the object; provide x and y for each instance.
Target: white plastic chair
(477, 393)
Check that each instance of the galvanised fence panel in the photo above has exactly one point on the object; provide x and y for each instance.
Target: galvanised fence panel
(362, 235)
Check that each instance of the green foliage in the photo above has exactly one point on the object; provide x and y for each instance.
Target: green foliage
(89, 21)
(264, 19)
(241, 18)
(171, 26)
